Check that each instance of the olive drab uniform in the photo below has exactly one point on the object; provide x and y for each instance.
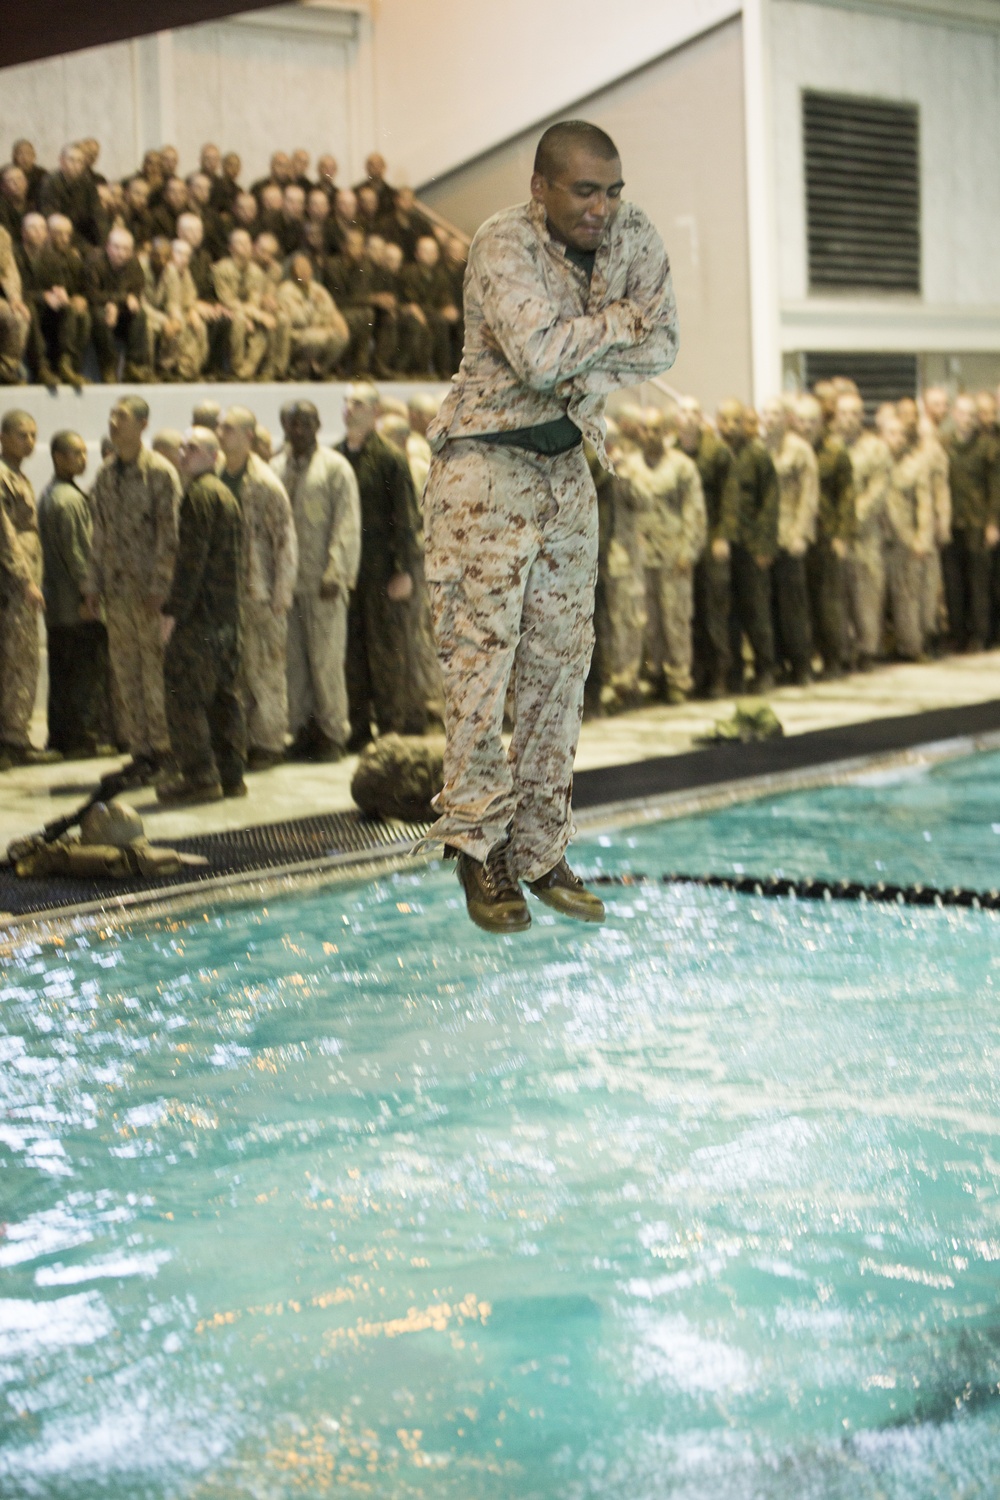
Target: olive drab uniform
(713, 575)
(835, 521)
(20, 567)
(871, 468)
(511, 516)
(202, 659)
(910, 528)
(383, 683)
(974, 479)
(270, 555)
(798, 483)
(240, 290)
(135, 509)
(14, 326)
(673, 528)
(78, 648)
(324, 497)
(934, 600)
(758, 500)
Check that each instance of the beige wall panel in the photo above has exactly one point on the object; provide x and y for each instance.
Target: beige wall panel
(679, 126)
(64, 98)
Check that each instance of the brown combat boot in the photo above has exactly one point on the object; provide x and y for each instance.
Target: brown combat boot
(566, 893)
(493, 897)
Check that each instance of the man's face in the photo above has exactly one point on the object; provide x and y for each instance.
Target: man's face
(235, 440)
(245, 208)
(354, 245)
(60, 232)
(302, 271)
(689, 425)
(23, 156)
(119, 248)
(368, 202)
(281, 167)
(18, 442)
(964, 417)
(265, 250)
(180, 254)
(300, 429)
(195, 456)
(72, 163)
(731, 423)
(346, 203)
(849, 418)
(295, 201)
(124, 429)
(809, 421)
(231, 165)
(200, 189)
(392, 257)
(360, 415)
(272, 198)
(15, 185)
(986, 409)
(159, 253)
(582, 198)
(71, 460)
(175, 194)
(137, 192)
(211, 160)
(169, 156)
(326, 168)
(191, 229)
(772, 417)
(240, 246)
(894, 434)
(908, 414)
(936, 404)
(300, 163)
(319, 205)
(427, 252)
(375, 166)
(34, 232)
(91, 148)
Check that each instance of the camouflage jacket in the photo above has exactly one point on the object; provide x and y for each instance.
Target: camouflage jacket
(324, 496)
(673, 521)
(871, 469)
(836, 516)
(798, 484)
(909, 506)
(207, 578)
(715, 469)
(20, 544)
(937, 464)
(974, 477)
(757, 484)
(270, 546)
(540, 343)
(135, 527)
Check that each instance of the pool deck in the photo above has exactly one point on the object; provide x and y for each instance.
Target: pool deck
(33, 796)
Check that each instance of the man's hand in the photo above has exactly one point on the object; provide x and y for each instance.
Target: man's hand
(991, 535)
(416, 312)
(167, 623)
(798, 549)
(111, 314)
(762, 560)
(329, 589)
(34, 596)
(450, 314)
(132, 302)
(720, 549)
(78, 304)
(838, 547)
(399, 588)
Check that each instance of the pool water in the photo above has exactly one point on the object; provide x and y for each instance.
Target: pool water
(346, 1197)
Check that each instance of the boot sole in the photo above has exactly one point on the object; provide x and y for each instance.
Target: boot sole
(578, 913)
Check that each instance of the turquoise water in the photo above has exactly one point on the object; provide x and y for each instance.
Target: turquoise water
(346, 1197)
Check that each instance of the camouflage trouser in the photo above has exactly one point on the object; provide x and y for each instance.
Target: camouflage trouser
(14, 330)
(183, 354)
(865, 577)
(625, 604)
(669, 606)
(207, 732)
(314, 351)
(511, 566)
(248, 344)
(932, 596)
(905, 573)
(136, 655)
(317, 647)
(263, 678)
(18, 667)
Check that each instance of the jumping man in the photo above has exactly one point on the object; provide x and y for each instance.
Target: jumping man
(567, 298)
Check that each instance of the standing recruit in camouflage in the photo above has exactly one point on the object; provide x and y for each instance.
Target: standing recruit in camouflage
(20, 591)
(871, 467)
(798, 485)
(136, 497)
(567, 297)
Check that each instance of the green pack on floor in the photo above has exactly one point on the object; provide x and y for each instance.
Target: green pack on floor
(750, 722)
(111, 845)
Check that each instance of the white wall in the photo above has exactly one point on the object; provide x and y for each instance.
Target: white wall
(952, 72)
(294, 76)
(454, 77)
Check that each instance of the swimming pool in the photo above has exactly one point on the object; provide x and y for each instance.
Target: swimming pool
(345, 1196)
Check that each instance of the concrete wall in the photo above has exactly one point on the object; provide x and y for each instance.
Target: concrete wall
(679, 125)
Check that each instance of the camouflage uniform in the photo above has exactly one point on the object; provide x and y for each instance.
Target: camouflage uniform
(825, 570)
(756, 480)
(871, 468)
(202, 658)
(131, 566)
(20, 567)
(620, 607)
(324, 497)
(798, 483)
(933, 608)
(673, 528)
(318, 332)
(270, 563)
(239, 290)
(713, 575)
(14, 326)
(512, 533)
(172, 298)
(974, 478)
(910, 526)
(78, 648)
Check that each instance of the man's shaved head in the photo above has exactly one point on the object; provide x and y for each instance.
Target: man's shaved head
(558, 142)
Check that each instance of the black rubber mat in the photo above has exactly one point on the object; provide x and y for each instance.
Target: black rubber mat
(732, 762)
(268, 846)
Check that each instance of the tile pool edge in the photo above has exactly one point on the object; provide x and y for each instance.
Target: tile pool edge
(357, 866)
